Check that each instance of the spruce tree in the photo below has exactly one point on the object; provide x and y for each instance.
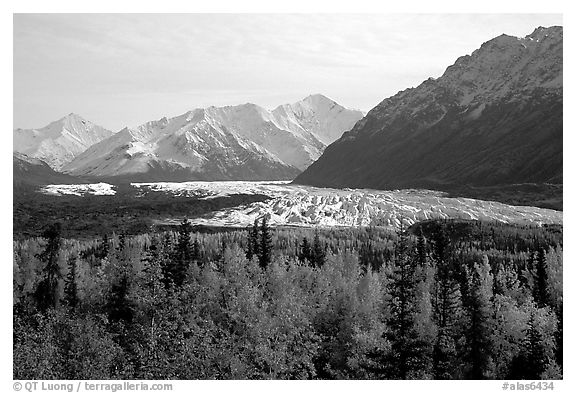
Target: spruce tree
(481, 322)
(47, 291)
(71, 285)
(532, 360)
(165, 257)
(406, 355)
(118, 307)
(305, 253)
(254, 241)
(182, 254)
(318, 254)
(265, 249)
(541, 284)
(447, 315)
(447, 306)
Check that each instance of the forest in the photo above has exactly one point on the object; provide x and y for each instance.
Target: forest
(447, 299)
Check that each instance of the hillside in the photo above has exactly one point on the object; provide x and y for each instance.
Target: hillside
(493, 119)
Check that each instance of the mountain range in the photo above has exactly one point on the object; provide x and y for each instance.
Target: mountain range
(244, 142)
(493, 119)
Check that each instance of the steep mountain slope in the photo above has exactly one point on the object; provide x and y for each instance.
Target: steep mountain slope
(493, 118)
(244, 142)
(28, 171)
(60, 141)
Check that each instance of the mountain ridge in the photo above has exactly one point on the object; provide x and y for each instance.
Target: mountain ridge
(241, 142)
(31, 172)
(494, 117)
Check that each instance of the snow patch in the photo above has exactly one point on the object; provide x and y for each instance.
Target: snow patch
(79, 189)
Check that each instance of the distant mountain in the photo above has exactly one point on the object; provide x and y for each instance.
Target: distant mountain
(319, 115)
(29, 171)
(493, 118)
(60, 141)
(244, 142)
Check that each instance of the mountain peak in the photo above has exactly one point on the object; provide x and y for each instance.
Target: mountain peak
(505, 42)
(318, 99)
(510, 63)
(73, 116)
(542, 32)
(60, 141)
(502, 42)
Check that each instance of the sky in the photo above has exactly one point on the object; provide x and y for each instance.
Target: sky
(121, 70)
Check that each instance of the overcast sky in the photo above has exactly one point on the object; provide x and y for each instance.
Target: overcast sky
(122, 69)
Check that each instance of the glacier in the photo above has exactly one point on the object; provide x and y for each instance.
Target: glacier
(306, 206)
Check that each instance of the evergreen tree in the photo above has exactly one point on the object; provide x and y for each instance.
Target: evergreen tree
(540, 285)
(481, 322)
(71, 285)
(318, 253)
(253, 241)
(265, 256)
(532, 360)
(118, 307)
(447, 314)
(47, 291)
(406, 357)
(165, 257)
(447, 306)
(182, 254)
(305, 253)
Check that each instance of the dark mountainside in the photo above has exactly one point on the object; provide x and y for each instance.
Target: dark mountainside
(490, 126)
(30, 172)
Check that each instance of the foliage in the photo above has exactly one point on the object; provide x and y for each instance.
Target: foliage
(443, 300)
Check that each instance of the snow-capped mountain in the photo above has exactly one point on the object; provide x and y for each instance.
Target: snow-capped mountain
(244, 142)
(493, 118)
(60, 141)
